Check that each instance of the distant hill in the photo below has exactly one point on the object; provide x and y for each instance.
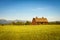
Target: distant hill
(19, 21)
(3, 21)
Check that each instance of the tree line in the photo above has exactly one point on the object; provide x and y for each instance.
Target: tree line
(18, 23)
(30, 23)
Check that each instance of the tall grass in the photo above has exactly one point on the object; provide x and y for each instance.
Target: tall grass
(30, 32)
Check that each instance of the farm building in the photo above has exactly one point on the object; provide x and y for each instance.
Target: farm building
(38, 21)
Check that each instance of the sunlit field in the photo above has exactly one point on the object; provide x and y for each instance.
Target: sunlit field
(30, 32)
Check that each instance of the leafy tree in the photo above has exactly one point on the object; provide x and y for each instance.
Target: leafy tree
(27, 23)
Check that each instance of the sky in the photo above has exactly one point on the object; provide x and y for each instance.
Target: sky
(27, 9)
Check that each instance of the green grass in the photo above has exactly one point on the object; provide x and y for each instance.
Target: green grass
(30, 32)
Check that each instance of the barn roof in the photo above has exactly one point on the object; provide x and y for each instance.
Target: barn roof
(41, 19)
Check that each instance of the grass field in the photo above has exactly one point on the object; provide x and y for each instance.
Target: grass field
(30, 32)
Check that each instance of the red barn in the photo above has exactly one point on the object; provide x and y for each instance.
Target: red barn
(39, 21)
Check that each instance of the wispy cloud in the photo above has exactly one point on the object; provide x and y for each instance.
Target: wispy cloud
(41, 8)
(37, 9)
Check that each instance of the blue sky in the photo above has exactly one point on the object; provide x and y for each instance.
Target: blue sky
(27, 9)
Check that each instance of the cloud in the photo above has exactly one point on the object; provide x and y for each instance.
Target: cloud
(37, 9)
(42, 8)
(53, 18)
